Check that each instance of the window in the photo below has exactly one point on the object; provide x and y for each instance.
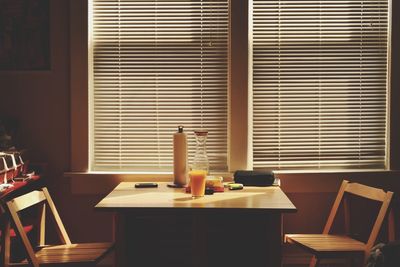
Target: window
(156, 65)
(319, 81)
(317, 85)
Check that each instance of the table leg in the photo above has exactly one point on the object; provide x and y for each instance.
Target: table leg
(274, 239)
(199, 241)
(120, 239)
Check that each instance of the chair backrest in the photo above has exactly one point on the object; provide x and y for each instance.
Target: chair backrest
(30, 199)
(371, 193)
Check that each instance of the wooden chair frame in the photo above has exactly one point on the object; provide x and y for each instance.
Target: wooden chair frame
(5, 237)
(43, 198)
(304, 240)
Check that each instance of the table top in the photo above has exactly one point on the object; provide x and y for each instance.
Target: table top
(126, 196)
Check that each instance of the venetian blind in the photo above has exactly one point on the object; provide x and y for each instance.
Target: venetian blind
(157, 65)
(319, 83)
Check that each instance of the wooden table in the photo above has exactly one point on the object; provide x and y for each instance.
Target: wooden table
(234, 227)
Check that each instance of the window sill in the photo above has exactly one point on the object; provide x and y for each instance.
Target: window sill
(322, 171)
(134, 176)
(324, 181)
(305, 181)
(103, 182)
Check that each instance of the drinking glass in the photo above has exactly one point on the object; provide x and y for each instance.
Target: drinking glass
(197, 182)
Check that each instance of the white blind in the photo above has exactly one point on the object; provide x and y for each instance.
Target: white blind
(319, 83)
(156, 65)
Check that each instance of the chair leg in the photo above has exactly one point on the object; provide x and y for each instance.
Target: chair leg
(5, 242)
(314, 262)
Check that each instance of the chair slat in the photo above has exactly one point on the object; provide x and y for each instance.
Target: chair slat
(335, 207)
(383, 212)
(60, 226)
(82, 246)
(42, 225)
(28, 200)
(321, 242)
(366, 191)
(89, 253)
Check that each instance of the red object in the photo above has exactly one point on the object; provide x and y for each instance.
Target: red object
(17, 185)
(216, 189)
(219, 189)
(27, 229)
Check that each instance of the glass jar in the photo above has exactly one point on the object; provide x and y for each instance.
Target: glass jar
(200, 159)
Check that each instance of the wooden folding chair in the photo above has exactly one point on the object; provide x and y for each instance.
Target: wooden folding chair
(7, 234)
(326, 245)
(66, 254)
(4, 237)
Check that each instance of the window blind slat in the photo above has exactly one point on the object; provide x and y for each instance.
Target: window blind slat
(156, 65)
(319, 83)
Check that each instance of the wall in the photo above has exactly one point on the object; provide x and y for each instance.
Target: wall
(39, 100)
(41, 103)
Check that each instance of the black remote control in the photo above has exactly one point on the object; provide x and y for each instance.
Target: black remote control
(146, 185)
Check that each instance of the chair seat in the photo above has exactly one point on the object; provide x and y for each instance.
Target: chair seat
(327, 245)
(89, 253)
(324, 245)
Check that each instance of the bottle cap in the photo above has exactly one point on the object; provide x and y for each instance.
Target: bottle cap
(180, 129)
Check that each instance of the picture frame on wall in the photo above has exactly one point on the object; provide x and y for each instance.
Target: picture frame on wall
(24, 35)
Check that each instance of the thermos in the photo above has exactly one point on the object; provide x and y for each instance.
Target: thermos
(180, 157)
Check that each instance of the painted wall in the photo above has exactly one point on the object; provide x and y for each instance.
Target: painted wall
(40, 101)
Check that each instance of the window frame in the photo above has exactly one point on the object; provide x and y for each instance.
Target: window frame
(239, 145)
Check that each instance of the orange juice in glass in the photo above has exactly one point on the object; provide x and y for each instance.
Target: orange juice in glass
(197, 182)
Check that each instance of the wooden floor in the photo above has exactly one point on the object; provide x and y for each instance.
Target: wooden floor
(290, 259)
(293, 260)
